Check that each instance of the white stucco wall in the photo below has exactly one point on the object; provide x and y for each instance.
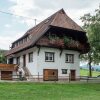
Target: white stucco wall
(36, 67)
(59, 62)
(32, 66)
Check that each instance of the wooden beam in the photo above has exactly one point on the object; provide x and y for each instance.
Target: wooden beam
(61, 50)
(39, 47)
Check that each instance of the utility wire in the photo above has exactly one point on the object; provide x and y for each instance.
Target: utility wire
(16, 15)
(35, 20)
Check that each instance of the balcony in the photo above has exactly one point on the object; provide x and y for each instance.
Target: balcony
(8, 67)
(60, 43)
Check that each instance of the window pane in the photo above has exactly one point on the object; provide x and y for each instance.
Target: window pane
(49, 56)
(64, 71)
(69, 58)
(46, 58)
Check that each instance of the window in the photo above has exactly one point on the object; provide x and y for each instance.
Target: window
(69, 58)
(31, 57)
(18, 60)
(64, 71)
(49, 56)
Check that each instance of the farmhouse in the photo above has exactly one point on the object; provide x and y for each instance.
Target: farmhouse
(50, 50)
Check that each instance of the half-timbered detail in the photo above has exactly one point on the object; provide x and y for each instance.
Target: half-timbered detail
(56, 44)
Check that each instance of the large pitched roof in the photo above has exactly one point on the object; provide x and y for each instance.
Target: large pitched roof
(59, 19)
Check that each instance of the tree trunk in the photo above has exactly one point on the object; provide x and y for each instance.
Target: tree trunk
(90, 66)
(90, 70)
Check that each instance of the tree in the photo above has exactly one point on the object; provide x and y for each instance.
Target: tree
(92, 27)
(2, 57)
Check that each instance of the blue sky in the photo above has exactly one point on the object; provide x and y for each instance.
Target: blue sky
(12, 27)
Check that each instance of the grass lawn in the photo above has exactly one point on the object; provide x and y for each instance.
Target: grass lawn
(49, 91)
(84, 72)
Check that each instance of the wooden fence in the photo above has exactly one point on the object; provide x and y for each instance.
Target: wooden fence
(9, 67)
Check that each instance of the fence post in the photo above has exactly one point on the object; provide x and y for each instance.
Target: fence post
(69, 77)
(20, 75)
(38, 76)
(87, 79)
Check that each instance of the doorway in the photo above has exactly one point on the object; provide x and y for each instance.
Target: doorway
(24, 60)
(72, 75)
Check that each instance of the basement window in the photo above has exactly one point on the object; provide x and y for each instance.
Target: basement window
(64, 71)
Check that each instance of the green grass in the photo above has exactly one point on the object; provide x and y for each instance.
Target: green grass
(86, 73)
(49, 91)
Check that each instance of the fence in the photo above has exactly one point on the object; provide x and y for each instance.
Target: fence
(40, 78)
(10, 67)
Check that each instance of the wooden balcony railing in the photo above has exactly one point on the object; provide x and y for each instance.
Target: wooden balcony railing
(60, 43)
(8, 67)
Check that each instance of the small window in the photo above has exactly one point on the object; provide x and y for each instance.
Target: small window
(64, 71)
(31, 57)
(49, 56)
(69, 58)
(18, 60)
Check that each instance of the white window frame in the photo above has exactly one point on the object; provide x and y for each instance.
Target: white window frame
(49, 56)
(64, 71)
(69, 58)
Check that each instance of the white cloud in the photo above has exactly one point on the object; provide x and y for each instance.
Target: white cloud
(40, 9)
(7, 25)
(7, 41)
(23, 8)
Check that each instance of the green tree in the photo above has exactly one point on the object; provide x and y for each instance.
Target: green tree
(2, 57)
(92, 27)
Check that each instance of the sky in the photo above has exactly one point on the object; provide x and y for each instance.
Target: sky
(12, 27)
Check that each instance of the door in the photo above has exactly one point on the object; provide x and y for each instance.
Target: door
(50, 74)
(6, 75)
(72, 74)
(24, 60)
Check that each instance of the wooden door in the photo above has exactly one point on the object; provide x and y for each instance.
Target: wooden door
(50, 75)
(72, 75)
(6, 75)
(46, 74)
(24, 60)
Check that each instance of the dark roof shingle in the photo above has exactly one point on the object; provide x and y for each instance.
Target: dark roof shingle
(59, 19)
